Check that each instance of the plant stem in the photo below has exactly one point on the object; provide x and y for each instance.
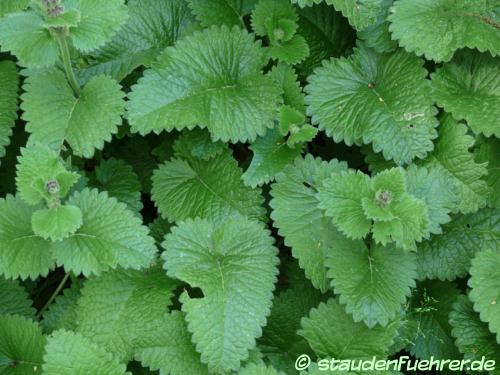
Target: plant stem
(66, 58)
(53, 296)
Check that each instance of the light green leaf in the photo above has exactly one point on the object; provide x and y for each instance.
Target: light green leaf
(303, 134)
(57, 223)
(118, 307)
(276, 19)
(227, 94)
(465, 23)
(485, 284)
(8, 102)
(262, 369)
(62, 312)
(209, 189)
(11, 6)
(381, 99)
(378, 288)
(55, 115)
(473, 339)
(295, 214)
(292, 51)
(331, 332)
(110, 236)
(21, 346)
(286, 78)
(221, 12)
(377, 35)
(271, 155)
(120, 181)
(448, 256)
(488, 150)
(68, 353)
(469, 88)
(14, 300)
(168, 348)
(22, 253)
(359, 13)
(236, 270)
(451, 155)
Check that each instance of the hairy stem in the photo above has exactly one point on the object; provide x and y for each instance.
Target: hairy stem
(66, 58)
(53, 296)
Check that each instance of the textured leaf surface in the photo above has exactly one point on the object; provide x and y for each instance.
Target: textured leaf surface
(489, 151)
(197, 143)
(68, 353)
(331, 332)
(226, 93)
(236, 271)
(209, 189)
(377, 35)
(359, 13)
(485, 284)
(57, 223)
(221, 12)
(22, 253)
(472, 336)
(262, 369)
(465, 23)
(271, 155)
(21, 346)
(375, 98)
(451, 154)
(55, 115)
(448, 256)
(11, 6)
(118, 307)
(469, 88)
(168, 348)
(110, 236)
(14, 299)
(8, 102)
(62, 313)
(295, 214)
(372, 283)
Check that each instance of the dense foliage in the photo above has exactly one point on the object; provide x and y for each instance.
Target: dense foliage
(195, 187)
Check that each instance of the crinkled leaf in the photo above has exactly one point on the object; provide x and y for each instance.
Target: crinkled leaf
(469, 88)
(110, 236)
(68, 353)
(459, 23)
(56, 223)
(292, 51)
(378, 288)
(261, 369)
(197, 143)
(306, 3)
(488, 151)
(8, 102)
(221, 12)
(236, 270)
(14, 300)
(208, 189)
(485, 284)
(275, 18)
(55, 115)
(375, 98)
(271, 155)
(287, 79)
(227, 93)
(448, 256)
(296, 215)
(377, 35)
(359, 13)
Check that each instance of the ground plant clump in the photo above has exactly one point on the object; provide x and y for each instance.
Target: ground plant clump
(251, 187)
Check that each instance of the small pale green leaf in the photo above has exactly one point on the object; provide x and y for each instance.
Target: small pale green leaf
(56, 223)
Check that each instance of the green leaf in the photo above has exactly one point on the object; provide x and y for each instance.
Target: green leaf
(377, 35)
(236, 270)
(110, 236)
(215, 183)
(469, 88)
(306, 3)
(22, 253)
(284, 75)
(57, 223)
(227, 94)
(331, 332)
(448, 256)
(359, 13)
(55, 115)
(343, 203)
(488, 150)
(295, 214)
(485, 284)
(473, 339)
(276, 19)
(271, 155)
(120, 181)
(68, 353)
(303, 134)
(466, 23)
(21, 347)
(8, 102)
(152, 26)
(451, 155)
(375, 98)
(292, 51)
(197, 143)
(262, 369)
(382, 280)
(14, 300)
(118, 307)
(168, 348)
(221, 12)
(437, 190)
(11, 6)
(62, 312)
